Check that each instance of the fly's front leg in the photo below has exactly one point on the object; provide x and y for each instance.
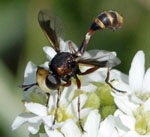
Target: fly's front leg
(57, 105)
(48, 98)
(26, 87)
(66, 84)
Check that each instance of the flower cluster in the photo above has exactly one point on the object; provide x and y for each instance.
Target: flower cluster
(103, 113)
(134, 109)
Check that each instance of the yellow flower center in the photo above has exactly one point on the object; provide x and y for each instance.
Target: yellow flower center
(143, 96)
(106, 100)
(61, 114)
(142, 125)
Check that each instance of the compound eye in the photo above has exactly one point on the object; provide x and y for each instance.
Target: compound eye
(52, 81)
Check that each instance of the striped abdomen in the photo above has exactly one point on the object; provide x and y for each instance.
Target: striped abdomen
(108, 19)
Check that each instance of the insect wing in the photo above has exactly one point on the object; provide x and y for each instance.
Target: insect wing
(100, 59)
(51, 27)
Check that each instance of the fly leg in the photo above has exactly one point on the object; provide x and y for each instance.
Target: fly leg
(58, 99)
(48, 98)
(89, 71)
(71, 48)
(26, 87)
(107, 81)
(79, 85)
(57, 106)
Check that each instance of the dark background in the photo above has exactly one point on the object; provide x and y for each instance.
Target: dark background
(21, 40)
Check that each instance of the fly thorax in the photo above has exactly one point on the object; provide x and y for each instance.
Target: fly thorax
(64, 65)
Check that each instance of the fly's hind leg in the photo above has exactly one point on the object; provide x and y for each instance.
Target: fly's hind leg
(71, 48)
(88, 71)
(107, 81)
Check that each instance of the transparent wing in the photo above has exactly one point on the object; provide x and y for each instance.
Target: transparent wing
(52, 27)
(99, 58)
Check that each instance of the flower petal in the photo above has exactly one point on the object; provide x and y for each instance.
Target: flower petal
(53, 133)
(117, 75)
(30, 73)
(64, 45)
(97, 76)
(107, 127)
(128, 121)
(45, 65)
(73, 107)
(50, 52)
(67, 95)
(124, 104)
(115, 133)
(134, 134)
(34, 127)
(136, 72)
(70, 129)
(146, 85)
(52, 100)
(29, 78)
(94, 120)
(120, 127)
(84, 112)
(21, 119)
(36, 108)
(147, 105)
(88, 88)
(48, 121)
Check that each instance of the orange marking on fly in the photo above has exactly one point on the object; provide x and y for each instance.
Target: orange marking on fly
(41, 75)
(66, 65)
(42, 71)
(62, 71)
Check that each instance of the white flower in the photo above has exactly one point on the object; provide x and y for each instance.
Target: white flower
(138, 79)
(134, 107)
(40, 114)
(94, 127)
(37, 115)
(137, 83)
(137, 123)
(34, 119)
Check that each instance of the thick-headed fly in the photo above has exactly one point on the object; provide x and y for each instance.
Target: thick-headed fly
(65, 65)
